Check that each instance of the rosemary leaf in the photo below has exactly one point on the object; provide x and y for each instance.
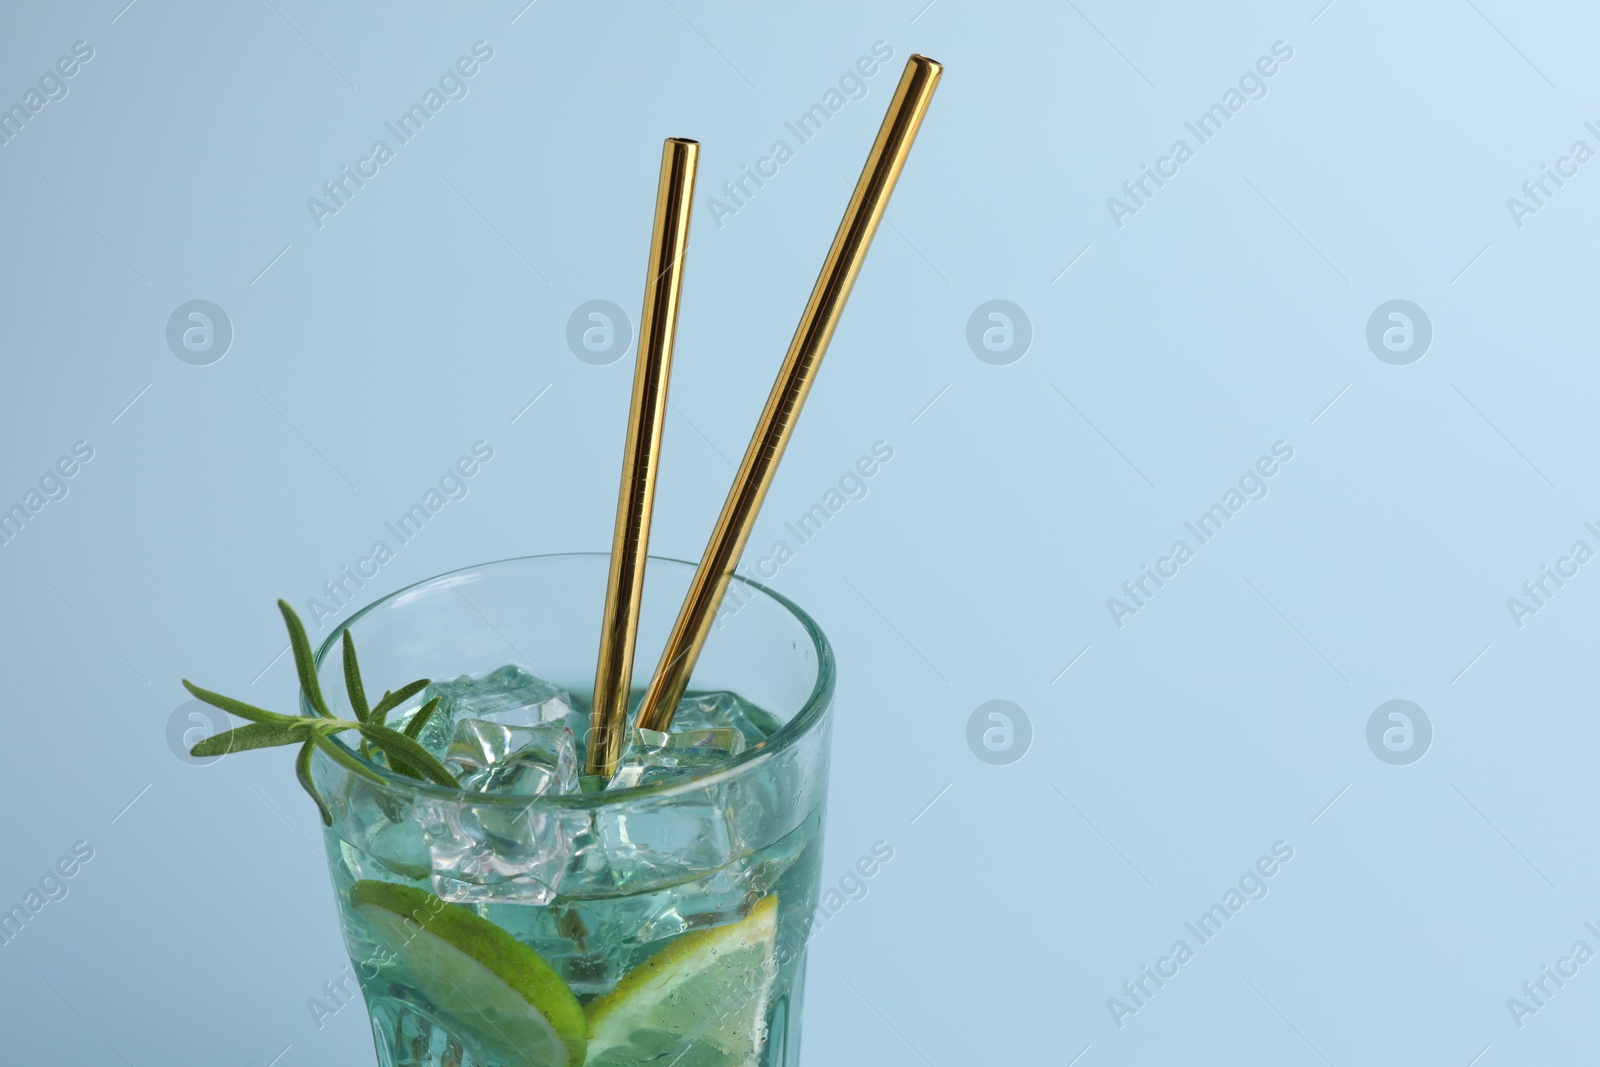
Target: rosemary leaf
(304, 662)
(420, 719)
(236, 707)
(400, 766)
(256, 735)
(302, 771)
(352, 680)
(393, 700)
(340, 755)
(394, 743)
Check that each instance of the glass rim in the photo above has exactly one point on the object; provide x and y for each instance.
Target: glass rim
(799, 725)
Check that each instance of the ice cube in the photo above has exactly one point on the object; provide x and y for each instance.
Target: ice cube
(498, 853)
(491, 757)
(639, 845)
(665, 841)
(378, 830)
(721, 897)
(652, 756)
(702, 711)
(509, 695)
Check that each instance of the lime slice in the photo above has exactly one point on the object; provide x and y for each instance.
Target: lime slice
(702, 999)
(494, 993)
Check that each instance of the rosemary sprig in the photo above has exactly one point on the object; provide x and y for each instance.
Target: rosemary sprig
(269, 729)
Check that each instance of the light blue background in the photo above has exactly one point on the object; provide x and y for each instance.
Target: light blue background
(1228, 314)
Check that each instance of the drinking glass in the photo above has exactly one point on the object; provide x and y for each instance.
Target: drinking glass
(681, 907)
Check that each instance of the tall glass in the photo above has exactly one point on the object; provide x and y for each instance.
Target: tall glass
(634, 897)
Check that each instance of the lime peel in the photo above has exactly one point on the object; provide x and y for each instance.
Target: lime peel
(495, 990)
(708, 989)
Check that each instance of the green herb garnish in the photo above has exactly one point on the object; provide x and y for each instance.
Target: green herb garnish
(268, 729)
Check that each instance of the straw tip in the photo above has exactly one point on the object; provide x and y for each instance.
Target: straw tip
(689, 141)
(921, 60)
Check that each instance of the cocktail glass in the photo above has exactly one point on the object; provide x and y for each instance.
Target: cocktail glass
(677, 912)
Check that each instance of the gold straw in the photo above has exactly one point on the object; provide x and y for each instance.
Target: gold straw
(750, 485)
(658, 324)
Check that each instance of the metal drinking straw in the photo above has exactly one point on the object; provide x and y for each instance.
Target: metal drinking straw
(658, 324)
(750, 485)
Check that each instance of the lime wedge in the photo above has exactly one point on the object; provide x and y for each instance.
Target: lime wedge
(494, 993)
(702, 999)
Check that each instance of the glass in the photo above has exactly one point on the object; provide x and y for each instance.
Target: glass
(626, 886)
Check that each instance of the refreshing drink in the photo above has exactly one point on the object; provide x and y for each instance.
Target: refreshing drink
(500, 909)
(537, 918)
